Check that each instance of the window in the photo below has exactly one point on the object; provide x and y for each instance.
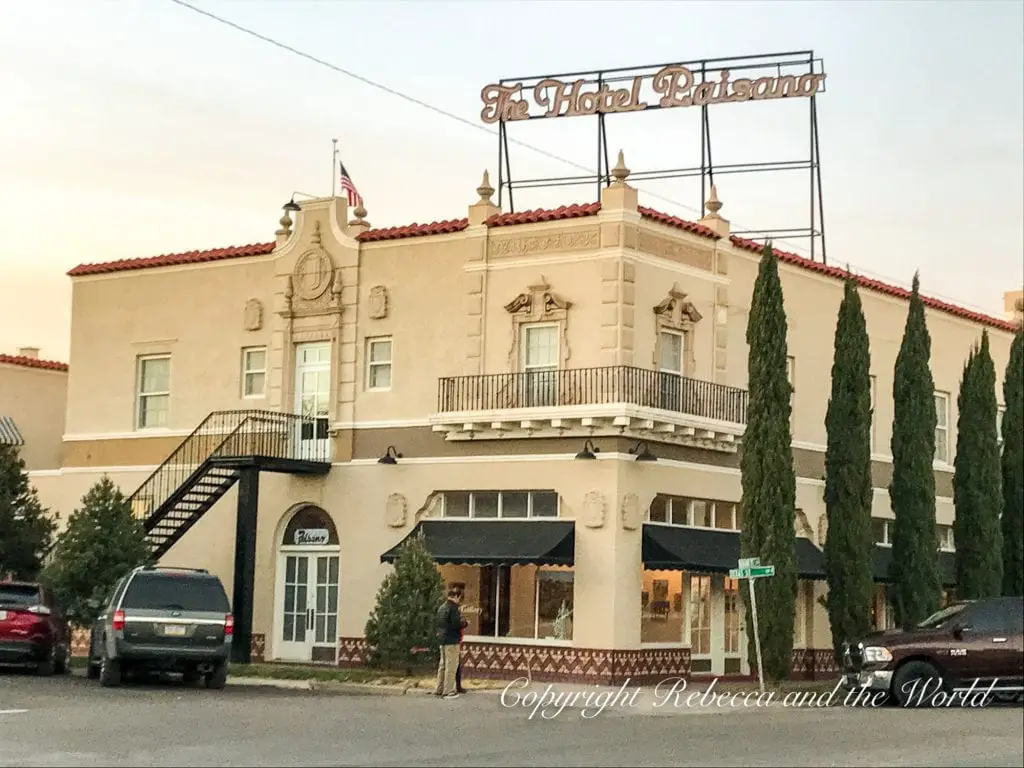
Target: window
(874, 400)
(500, 504)
(942, 427)
(944, 535)
(732, 616)
(515, 602)
(662, 612)
(882, 531)
(154, 391)
(1000, 412)
(539, 365)
(991, 616)
(791, 376)
(254, 372)
(378, 363)
(670, 370)
(700, 513)
(700, 615)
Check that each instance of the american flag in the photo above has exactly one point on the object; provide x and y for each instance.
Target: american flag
(354, 198)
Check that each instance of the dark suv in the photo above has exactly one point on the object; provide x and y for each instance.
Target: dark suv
(164, 620)
(32, 629)
(969, 646)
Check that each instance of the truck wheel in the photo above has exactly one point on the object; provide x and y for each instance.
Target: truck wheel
(916, 683)
(110, 672)
(63, 665)
(217, 678)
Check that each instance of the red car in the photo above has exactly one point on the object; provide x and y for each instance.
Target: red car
(32, 629)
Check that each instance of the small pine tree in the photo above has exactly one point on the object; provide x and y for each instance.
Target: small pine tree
(914, 570)
(402, 629)
(976, 481)
(26, 527)
(102, 542)
(1013, 470)
(848, 488)
(767, 473)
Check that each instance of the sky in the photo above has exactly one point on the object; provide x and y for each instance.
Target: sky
(132, 128)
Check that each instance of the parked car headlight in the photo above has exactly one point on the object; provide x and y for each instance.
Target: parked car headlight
(875, 655)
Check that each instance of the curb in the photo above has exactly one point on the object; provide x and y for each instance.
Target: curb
(267, 682)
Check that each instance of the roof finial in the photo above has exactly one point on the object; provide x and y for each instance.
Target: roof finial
(485, 190)
(360, 214)
(620, 172)
(713, 205)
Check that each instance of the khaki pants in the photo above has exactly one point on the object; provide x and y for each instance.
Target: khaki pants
(446, 669)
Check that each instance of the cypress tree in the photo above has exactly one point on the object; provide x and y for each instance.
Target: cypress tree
(848, 488)
(914, 570)
(768, 479)
(1013, 470)
(977, 481)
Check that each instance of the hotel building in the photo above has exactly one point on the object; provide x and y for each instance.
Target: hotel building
(555, 398)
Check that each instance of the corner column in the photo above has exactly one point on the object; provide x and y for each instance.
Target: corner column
(245, 564)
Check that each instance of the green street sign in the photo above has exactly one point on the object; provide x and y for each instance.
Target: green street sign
(739, 573)
(749, 562)
(762, 571)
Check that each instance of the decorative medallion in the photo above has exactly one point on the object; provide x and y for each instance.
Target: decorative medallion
(394, 510)
(314, 272)
(593, 509)
(378, 302)
(630, 512)
(253, 319)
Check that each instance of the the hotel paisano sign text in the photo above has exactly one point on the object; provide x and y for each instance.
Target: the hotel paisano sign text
(674, 84)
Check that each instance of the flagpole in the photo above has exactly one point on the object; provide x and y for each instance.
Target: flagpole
(334, 168)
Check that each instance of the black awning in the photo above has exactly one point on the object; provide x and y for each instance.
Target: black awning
(495, 542)
(883, 557)
(709, 550)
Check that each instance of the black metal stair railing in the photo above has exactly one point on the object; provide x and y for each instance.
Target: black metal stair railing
(593, 386)
(230, 434)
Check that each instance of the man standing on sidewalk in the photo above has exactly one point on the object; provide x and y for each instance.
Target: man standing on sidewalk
(449, 631)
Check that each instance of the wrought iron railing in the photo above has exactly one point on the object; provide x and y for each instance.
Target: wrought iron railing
(233, 434)
(593, 386)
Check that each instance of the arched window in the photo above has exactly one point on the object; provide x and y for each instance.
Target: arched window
(310, 526)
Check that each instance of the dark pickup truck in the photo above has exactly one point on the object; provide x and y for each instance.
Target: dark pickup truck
(972, 646)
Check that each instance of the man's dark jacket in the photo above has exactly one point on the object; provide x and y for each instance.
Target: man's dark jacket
(449, 622)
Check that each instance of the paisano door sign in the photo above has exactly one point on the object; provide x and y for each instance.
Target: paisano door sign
(311, 536)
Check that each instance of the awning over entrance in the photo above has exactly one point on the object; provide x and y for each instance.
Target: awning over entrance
(495, 542)
(708, 550)
(883, 556)
(9, 434)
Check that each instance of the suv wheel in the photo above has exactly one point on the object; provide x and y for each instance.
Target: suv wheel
(93, 672)
(916, 683)
(48, 666)
(217, 678)
(110, 672)
(191, 675)
(63, 665)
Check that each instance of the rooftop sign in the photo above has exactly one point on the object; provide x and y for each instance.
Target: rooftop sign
(671, 86)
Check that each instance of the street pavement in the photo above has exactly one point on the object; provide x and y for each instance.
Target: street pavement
(73, 721)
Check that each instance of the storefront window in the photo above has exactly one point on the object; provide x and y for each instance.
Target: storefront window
(700, 615)
(500, 504)
(514, 602)
(699, 513)
(662, 613)
(732, 616)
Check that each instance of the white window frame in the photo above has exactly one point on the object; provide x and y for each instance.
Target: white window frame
(942, 458)
(791, 377)
(371, 364)
(530, 492)
(947, 542)
(688, 503)
(662, 333)
(693, 609)
(140, 395)
(526, 367)
(1000, 412)
(248, 371)
(886, 532)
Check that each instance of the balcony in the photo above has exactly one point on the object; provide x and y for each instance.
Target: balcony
(589, 402)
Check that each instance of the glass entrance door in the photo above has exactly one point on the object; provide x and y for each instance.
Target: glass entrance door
(308, 607)
(313, 399)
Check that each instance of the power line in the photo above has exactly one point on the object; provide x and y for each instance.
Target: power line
(421, 103)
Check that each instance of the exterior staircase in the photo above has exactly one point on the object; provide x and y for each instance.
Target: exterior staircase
(209, 462)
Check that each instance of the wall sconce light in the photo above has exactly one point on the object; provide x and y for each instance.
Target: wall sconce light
(589, 451)
(643, 452)
(391, 456)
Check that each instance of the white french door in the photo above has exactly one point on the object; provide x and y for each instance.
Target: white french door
(307, 603)
(540, 366)
(313, 399)
(670, 372)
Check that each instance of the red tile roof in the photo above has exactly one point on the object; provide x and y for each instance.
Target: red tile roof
(532, 217)
(877, 285)
(174, 259)
(414, 230)
(33, 362)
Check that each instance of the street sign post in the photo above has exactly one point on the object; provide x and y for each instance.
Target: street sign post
(750, 568)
